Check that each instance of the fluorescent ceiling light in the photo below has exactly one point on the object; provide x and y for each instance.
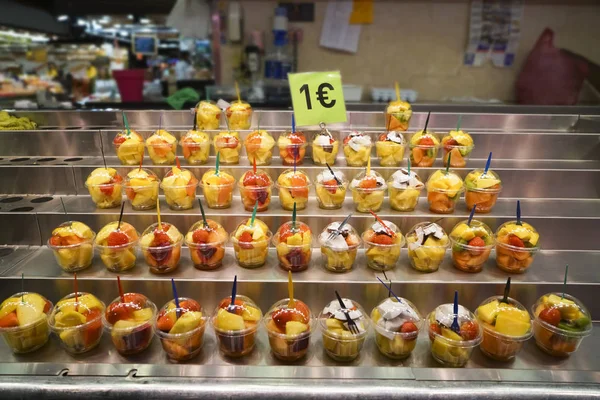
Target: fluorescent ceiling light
(62, 18)
(144, 20)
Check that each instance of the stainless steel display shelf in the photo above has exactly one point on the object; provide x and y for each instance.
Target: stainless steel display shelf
(550, 162)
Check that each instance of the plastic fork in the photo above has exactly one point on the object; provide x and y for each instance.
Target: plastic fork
(333, 234)
(351, 324)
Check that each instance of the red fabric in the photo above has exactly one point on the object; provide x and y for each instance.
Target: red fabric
(550, 76)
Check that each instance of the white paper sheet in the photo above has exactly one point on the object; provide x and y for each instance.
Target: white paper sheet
(337, 33)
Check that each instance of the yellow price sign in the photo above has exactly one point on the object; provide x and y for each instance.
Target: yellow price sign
(317, 97)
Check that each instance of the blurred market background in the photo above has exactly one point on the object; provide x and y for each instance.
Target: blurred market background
(165, 54)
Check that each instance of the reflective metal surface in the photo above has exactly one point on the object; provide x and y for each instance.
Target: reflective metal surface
(550, 162)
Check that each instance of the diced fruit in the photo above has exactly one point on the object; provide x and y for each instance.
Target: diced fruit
(469, 330)
(145, 314)
(450, 334)
(27, 314)
(69, 319)
(295, 328)
(513, 322)
(229, 322)
(187, 322)
(550, 315)
(488, 312)
(251, 314)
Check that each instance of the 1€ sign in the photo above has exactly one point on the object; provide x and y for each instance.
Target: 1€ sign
(317, 97)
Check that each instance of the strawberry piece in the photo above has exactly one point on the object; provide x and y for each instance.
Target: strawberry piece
(469, 330)
(408, 327)
(435, 328)
(200, 236)
(117, 238)
(55, 241)
(245, 237)
(450, 143)
(550, 315)
(119, 139)
(426, 141)
(347, 139)
(477, 242)
(514, 240)
(190, 305)
(161, 239)
(297, 138)
(107, 189)
(383, 137)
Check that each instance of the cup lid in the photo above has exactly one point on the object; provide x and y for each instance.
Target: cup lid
(245, 232)
(289, 178)
(450, 183)
(384, 235)
(210, 178)
(402, 179)
(466, 235)
(478, 180)
(141, 177)
(521, 237)
(508, 318)
(391, 318)
(333, 320)
(347, 238)
(241, 317)
(34, 306)
(372, 181)
(71, 233)
(109, 235)
(76, 312)
(393, 137)
(416, 139)
(426, 234)
(286, 321)
(135, 310)
(326, 176)
(469, 332)
(186, 318)
(202, 235)
(563, 314)
(167, 236)
(258, 179)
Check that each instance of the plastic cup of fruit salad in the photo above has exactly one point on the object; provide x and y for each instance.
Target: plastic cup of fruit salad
(450, 348)
(77, 322)
(142, 192)
(73, 257)
(122, 256)
(339, 342)
(330, 193)
(208, 254)
(381, 249)
(506, 326)
(258, 187)
(426, 257)
(397, 327)
(181, 330)
(289, 329)
(481, 190)
(164, 258)
(24, 321)
(560, 324)
(293, 256)
(130, 323)
(337, 254)
(516, 246)
(236, 329)
(470, 255)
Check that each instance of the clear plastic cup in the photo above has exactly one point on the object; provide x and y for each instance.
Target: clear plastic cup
(108, 195)
(130, 153)
(251, 254)
(513, 258)
(397, 115)
(440, 201)
(289, 343)
(397, 327)
(75, 257)
(239, 117)
(228, 145)
(163, 259)
(208, 115)
(162, 153)
(423, 156)
(390, 148)
(142, 193)
(368, 198)
(482, 198)
(184, 340)
(404, 199)
(251, 194)
(506, 326)
(357, 149)
(443, 191)
(246, 315)
(32, 331)
(292, 148)
(339, 342)
(325, 149)
(339, 254)
(561, 339)
(331, 197)
(180, 197)
(118, 258)
(78, 324)
(467, 257)
(130, 323)
(381, 250)
(195, 153)
(294, 256)
(259, 147)
(449, 348)
(291, 192)
(207, 256)
(426, 257)
(218, 196)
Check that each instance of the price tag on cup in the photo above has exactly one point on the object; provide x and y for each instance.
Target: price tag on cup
(317, 97)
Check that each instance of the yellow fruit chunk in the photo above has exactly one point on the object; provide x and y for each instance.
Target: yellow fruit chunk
(513, 322)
